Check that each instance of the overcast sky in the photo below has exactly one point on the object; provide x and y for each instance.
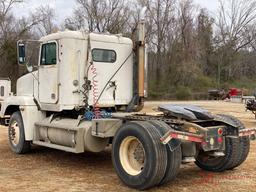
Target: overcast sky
(212, 5)
(64, 8)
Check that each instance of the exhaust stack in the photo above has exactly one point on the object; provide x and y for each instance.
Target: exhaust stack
(141, 57)
(141, 54)
(137, 102)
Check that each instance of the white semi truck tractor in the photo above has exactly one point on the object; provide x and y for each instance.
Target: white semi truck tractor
(85, 93)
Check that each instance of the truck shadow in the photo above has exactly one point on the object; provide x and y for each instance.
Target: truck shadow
(103, 157)
(83, 170)
(190, 175)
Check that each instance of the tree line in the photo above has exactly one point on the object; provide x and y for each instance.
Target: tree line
(191, 49)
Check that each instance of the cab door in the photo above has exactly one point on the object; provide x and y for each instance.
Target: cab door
(48, 74)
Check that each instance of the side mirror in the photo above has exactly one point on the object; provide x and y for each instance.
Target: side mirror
(25, 52)
(21, 53)
(30, 68)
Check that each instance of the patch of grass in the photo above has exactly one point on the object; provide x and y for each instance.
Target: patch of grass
(202, 83)
(197, 89)
(183, 93)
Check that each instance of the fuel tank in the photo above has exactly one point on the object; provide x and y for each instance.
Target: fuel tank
(69, 133)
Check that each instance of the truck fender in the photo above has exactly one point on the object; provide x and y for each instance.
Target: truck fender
(29, 111)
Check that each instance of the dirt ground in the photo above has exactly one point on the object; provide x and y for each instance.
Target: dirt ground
(51, 170)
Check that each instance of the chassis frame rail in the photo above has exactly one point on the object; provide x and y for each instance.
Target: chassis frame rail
(182, 135)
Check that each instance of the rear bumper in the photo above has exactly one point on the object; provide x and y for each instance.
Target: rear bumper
(208, 142)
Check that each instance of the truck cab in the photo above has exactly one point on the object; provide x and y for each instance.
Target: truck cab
(65, 66)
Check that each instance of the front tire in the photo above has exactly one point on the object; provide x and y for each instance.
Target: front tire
(16, 135)
(138, 156)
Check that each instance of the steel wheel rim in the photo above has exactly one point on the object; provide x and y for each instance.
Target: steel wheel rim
(15, 133)
(132, 155)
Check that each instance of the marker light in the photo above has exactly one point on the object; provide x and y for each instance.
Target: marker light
(220, 140)
(220, 131)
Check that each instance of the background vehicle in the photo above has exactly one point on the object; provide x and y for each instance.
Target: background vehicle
(84, 94)
(5, 88)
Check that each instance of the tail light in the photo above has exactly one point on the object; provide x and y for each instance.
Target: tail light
(220, 131)
(220, 140)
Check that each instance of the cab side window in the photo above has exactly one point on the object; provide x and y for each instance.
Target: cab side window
(104, 55)
(2, 91)
(49, 54)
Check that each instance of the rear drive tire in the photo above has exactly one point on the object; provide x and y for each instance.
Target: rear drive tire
(16, 135)
(138, 156)
(174, 157)
(236, 151)
(243, 142)
(218, 164)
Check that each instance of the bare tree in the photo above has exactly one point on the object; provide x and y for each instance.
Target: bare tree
(8, 32)
(13, 29)
(6, 18)
(45, 16)
(233, 21)
(159, 21)
(204, 35)
(100, 15)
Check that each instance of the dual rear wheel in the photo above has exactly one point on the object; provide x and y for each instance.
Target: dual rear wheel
(140, 159)
(236, 151)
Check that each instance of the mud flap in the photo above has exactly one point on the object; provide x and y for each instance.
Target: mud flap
(173, 144)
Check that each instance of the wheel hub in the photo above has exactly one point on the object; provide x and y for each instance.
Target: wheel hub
(14, 133)
(139, 153)
(132, 155)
